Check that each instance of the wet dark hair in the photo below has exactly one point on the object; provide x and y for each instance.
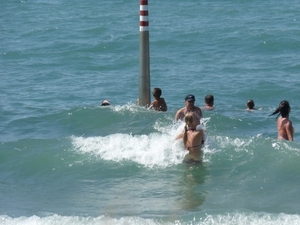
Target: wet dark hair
(283, 109)
(209, 99)
(250, 104)
(156, 92)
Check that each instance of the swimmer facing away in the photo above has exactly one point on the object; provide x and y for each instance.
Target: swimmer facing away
(250, 105)
(284, 125)
(192, 139)
(209, 102)
(159, 103)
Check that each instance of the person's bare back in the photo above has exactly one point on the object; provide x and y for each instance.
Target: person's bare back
(159, 103)
(192, 139)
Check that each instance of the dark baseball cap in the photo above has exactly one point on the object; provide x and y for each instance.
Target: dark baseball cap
(190, 98)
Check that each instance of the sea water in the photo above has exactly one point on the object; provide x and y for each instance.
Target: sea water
(64, 159)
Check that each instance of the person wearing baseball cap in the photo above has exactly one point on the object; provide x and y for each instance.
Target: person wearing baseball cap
(190, 97)
(189, 107)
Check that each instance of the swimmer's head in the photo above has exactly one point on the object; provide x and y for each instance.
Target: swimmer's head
(283, 109)
(209, 100)
(156, 92)
(189, 118)
(250, 104)
(190, 98)
(105, 102)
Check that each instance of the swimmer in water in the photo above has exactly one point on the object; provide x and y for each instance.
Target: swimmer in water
(250, 105)
(189, 107)
(284, 124)
(209, 102)
(192, 139)
(159, 103)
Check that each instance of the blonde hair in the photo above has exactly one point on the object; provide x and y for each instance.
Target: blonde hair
(189, 118)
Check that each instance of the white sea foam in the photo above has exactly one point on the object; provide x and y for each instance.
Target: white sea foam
(154, 149)
(219, 219)
(157, 149)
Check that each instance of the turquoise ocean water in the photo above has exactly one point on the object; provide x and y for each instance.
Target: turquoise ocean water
(66, 160)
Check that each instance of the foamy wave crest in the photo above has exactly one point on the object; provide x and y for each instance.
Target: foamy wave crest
(126, 107)
(66, 220)
(151, 150)
(251, 219)
(221, 219)
(156, 149)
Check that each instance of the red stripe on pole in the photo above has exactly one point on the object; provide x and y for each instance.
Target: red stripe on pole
(144, 23)
(143, 13)
(143, 2)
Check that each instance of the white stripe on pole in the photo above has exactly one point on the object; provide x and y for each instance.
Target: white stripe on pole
(144, 21)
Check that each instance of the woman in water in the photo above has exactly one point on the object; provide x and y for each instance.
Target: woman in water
(192, 139)
(284, 125)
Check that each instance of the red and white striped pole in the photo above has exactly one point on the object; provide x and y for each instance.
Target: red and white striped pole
(144, 22)
(144, 90)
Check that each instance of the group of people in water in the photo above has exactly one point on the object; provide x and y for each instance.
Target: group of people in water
(193, 134)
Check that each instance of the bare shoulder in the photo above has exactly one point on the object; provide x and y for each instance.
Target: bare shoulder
(180, 111)
(155, 102)
(162, 101)
(180, 114)
(288, 123)
(199, 132)
(198, 109)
